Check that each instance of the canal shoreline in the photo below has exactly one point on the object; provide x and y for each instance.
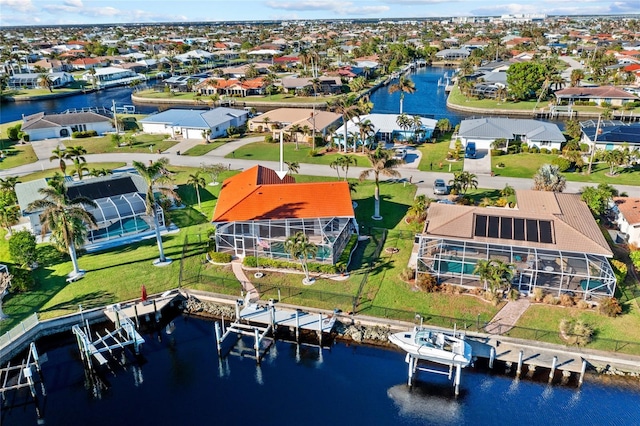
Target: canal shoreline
(360, 329)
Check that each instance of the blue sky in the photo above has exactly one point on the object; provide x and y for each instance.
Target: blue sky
(54, 12)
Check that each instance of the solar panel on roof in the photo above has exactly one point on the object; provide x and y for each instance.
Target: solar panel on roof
(481, 226)
(494, 227)
(546, 233)
(532, 230)
(518, 229)
(102, 189)
(506, 228)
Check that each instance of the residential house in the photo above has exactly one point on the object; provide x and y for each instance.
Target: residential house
(232, 86)
(120, 212)
(627, 216)
(190, 124)
(598, 95)
(327, 85)
(46, 126)
(453, 54)
(550, 238)
(32, 80)
(610, 134)
(257, 211)
(386, 129)
(112, 76)
(484, 131)
(281, 120)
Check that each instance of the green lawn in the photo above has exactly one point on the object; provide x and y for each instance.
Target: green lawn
(102, 144)
(434, 157)
(271, 152)
(50, 172)
(545, 317)
(525, 165)
(199, 150)
(15, 154)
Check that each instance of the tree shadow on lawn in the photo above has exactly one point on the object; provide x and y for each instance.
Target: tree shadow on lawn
(89, 300)
(392, 213)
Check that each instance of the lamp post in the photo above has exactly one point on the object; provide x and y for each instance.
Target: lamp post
(593, 149)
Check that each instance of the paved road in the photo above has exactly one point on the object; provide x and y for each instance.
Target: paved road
(423, 180)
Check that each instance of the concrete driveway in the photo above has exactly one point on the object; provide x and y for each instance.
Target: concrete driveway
(481, 165)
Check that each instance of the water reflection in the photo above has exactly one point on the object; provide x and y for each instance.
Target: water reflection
(426, 402)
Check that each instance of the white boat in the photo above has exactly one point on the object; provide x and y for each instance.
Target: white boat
(434, 345)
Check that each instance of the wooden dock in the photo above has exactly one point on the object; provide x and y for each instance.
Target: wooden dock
(136, 309)
(292, 318)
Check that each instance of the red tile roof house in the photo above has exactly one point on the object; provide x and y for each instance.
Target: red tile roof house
(551, 238)
(257, 211)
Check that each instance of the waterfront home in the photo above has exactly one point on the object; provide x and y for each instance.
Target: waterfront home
(231, 86)
(32, 80)
(453, 54)
(610, 134)
(550, 238)
(304, 86)
(282, 119)
(46, 126)
(598, 95)
(112, 76)
(386, 129)
(194, 124)
(120, 211)
(257, 211)
(626, 211)
(485, 131)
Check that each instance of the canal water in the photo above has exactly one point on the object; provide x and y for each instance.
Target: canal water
(429, 99)
(181, 380)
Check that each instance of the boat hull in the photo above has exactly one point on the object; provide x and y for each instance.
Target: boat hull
(434, 346)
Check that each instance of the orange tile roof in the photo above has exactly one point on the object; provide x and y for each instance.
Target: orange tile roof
(259, 194)
(630, 209)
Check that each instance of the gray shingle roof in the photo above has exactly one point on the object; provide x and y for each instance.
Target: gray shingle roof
(509, 128)
(195, 118)
(43, 121)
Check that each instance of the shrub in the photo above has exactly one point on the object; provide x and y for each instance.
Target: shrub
(566, 300)
(620, 270)
(534, 150)
(610, 307)
(550, 299)
(13, 133)
(513, 294)
(314, 152)
(500, 165)
(407, 274)
(582, 304)
(85, 134)
(427, 283)
(491, 296)
(22, 280)
(218, 257)
(22, 248)
(576, 332)
(269, 139)
(501, 202)
(635, 258)
(554, 151)
(496, 152)
(538, 294)
(562, 163)
(544, 151)
(524, 147)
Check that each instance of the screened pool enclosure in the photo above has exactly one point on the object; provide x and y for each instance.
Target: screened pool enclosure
(265, 238)
(555, 271)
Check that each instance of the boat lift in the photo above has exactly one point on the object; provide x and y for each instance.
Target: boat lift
(26, 377)
(124, 335)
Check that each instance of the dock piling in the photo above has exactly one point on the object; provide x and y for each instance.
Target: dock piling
(218, 337)
(457, 384)
(554, 364)
(257, 344)
(492, 357)
(519, 370)
(297, 325)
(582, 371)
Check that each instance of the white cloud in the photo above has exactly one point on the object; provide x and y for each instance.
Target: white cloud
(74, 3)
(22, 6)
(341, 8)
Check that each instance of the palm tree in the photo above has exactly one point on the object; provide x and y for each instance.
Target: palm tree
(294, 130)
(9, 216)
(347, 106)
(404, 122)
(299, 247)
(198, 182)
(292, 167)
(464, 181)
(418, 210)
(404, 85)
(156, 172)
(613, 158)
(67, 219)
(92, 73)
(76, 154)
(366, 129)
(549, 178)
(8, 185)
(494, 273)
(60, 154)
(44, 80)
(416, 124)
(336, 165)
(382, 163)
(577, 75)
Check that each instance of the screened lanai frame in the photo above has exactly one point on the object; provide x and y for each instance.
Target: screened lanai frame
(118, 216)
(554, 271)
(265, 238)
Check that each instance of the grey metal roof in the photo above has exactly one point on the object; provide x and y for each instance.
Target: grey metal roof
(509, 128)
(43, 121)
(196, 119)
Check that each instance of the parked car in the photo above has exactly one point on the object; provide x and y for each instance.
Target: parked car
(470, 150)
(440, 187)
(399, 153)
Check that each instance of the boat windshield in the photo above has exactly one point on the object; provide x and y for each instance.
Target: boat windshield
(425, 338)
